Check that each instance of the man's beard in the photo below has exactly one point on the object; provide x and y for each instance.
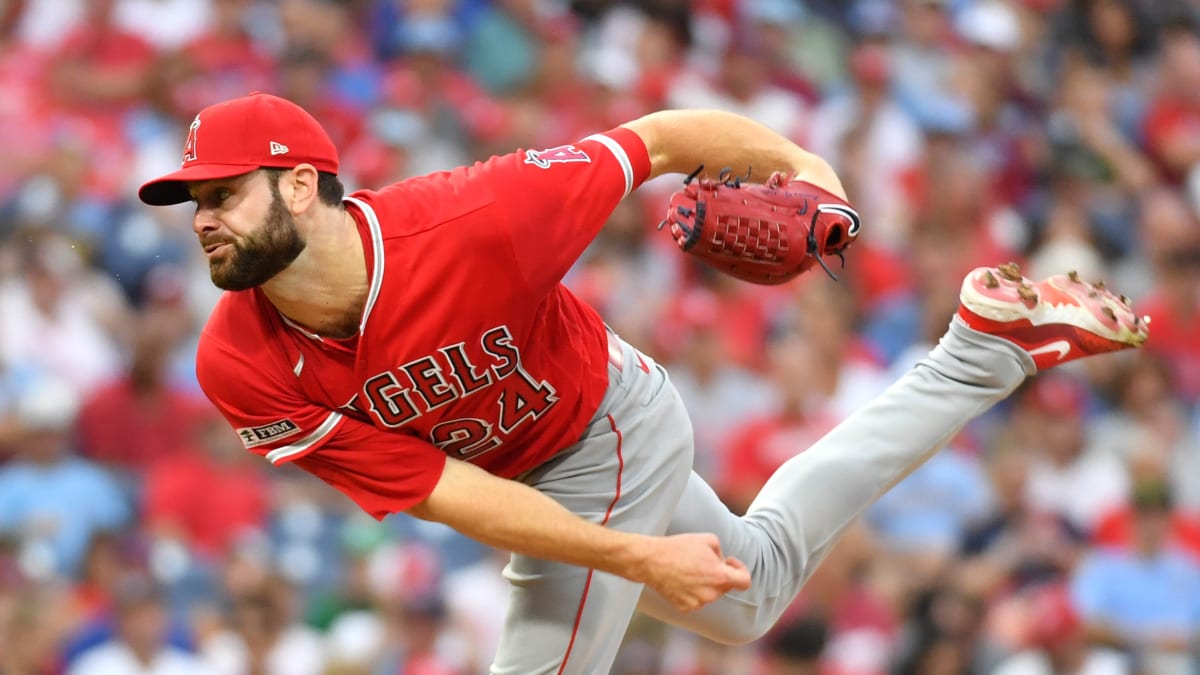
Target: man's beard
(259, 256)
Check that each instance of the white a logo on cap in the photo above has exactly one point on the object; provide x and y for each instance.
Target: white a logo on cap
(278, 149)
(189, 147)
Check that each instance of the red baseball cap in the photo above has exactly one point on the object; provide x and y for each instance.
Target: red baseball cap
(1059, 395)
(239, 136)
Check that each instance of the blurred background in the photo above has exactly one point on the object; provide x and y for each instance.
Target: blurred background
(1059, 534)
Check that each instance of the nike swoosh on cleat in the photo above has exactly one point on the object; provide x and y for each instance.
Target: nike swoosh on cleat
(1061, 346)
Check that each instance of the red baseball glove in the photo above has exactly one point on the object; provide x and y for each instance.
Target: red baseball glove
(765, 234)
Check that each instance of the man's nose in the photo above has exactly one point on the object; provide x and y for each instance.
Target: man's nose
(204, 222)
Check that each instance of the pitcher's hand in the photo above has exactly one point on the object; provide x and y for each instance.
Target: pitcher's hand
(690, 571)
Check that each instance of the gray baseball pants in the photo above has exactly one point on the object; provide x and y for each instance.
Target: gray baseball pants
(632, 470)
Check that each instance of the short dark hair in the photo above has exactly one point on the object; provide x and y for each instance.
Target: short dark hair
(802, 639)
(329, 187)
(1152, 495)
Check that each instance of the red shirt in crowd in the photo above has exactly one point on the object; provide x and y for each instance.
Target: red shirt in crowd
(222, 66)
(120, 426)
(469, 346)
(104, 54)
(760, 446)
(240, 500)
(25, 131)
(1176, 339)
(1116, 530)
(1170, 120)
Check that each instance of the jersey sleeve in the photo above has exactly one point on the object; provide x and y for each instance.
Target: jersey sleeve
(551, 203)
(382, 472)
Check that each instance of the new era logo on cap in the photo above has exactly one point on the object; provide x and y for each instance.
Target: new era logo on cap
(278, 148)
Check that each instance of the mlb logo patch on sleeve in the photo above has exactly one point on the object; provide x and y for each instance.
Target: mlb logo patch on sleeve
(255, 436)
(563, 154)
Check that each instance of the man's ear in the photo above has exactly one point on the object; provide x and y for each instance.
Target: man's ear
(298, 188)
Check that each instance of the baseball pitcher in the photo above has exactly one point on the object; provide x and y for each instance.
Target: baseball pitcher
(414, 348)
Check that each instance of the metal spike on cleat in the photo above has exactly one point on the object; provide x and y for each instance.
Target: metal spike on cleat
(1010, 271)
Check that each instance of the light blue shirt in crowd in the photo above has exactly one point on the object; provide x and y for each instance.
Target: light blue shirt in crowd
(69, 501)
(935, 506)
(1140, 596)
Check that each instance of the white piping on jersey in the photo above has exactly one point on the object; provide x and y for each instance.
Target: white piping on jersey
(299, 366)
(279, 454)
(377, 248)
(307, 333)
(622, 158)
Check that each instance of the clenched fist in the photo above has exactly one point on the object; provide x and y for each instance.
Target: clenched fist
(690, 571)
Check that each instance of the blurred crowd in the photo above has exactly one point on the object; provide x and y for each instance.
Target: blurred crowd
(1058, 534)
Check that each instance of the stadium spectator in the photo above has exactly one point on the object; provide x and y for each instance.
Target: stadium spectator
(1171, 235)
(59, 319)
(927, 514)
(796, 648)
(1057, 642)
(723, 395)
(875, 144)
(51, 501)
(264, 637)
(924, 75)
(1068, 477)
(501, 47)
(1146, 414)
(133, 422)
(476, 602)
(757, 446)
(208, 529)
(742, 84)
(223, 59)
(1170, 122)
(167, 25)
(1142, 600)
(1119, 37)
(1023, 545)
(139, 645)
(102, 70)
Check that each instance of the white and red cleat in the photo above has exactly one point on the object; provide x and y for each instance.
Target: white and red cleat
(1056, 320)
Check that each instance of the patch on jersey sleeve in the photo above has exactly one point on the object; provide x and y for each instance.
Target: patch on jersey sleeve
(562, 154)
(255, 436)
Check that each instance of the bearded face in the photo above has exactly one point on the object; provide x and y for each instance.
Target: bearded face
(255, 258)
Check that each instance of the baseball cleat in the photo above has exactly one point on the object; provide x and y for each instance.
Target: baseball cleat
(1055, 320)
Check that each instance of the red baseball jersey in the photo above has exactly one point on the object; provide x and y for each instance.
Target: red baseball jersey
(469, 347)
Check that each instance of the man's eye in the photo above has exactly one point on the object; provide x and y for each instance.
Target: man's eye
(212, 198)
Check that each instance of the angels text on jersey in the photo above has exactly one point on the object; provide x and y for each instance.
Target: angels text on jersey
(397, 397)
